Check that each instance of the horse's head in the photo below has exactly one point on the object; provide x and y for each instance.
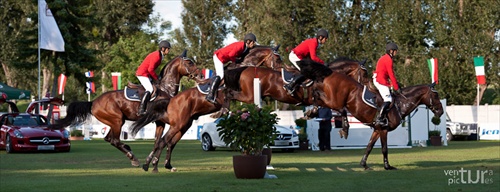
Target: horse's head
(352, 68)
(432, 101)
(181, 65)
(263, 56)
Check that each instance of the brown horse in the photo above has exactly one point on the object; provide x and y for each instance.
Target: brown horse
(261, 56)
(179, 113)
(239, 86)
(339, 91)
(112, 108)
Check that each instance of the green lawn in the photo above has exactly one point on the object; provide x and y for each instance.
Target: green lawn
(97, 166)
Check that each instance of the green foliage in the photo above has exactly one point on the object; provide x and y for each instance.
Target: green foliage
(249, 128)
(434, 133)
(76, 133)
(302, 123)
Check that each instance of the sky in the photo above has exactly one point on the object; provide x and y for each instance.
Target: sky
(170, 10)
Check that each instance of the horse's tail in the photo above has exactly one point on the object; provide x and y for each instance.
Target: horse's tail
(155, 110)
(232, 78)
(313, 70)
(76, 112)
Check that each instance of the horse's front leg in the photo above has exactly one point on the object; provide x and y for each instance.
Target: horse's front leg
(344, 132)
(171, 145)
(369, 147)
(160, 127)
(385, 152)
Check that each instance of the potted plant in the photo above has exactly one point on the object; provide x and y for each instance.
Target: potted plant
(248, 129)
(435, 135)
(303, 140)
(76, 135)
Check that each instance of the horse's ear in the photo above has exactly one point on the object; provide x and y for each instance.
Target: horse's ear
(276, 48)
(432, 85)
(362, 63)
(184, 53)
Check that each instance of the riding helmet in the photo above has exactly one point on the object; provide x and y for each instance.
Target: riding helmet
(251, 37)
(391, 46)
(165, 44)
(323, 33)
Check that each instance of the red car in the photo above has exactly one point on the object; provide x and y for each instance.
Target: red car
(21, 132)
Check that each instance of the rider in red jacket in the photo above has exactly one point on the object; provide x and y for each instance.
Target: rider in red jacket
(226, 54)
(306, 49)
(383, 78)
(147, 70)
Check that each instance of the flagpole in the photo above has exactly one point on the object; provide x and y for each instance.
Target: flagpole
(39, 37)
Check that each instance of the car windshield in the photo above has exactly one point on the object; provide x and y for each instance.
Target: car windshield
(28, 120)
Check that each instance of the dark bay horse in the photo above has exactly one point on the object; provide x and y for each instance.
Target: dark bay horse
(179, 113)
(261, 56)
(112, 108)
(338, 91)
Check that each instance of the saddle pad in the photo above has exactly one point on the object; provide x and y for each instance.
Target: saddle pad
(133, 94)
(204, 88)
(369, 97)
(286, 76)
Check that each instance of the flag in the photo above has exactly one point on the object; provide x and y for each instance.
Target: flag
(433, 68)
(116, 77)
(207, 73)
(50, 36)
(90, 87)
(61, 83)
(89, 74)
(479, 65)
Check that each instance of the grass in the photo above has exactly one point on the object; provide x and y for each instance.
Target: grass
(97, 166)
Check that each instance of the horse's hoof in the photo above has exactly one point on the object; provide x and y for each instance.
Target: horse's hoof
(135, 163)
(168, 166)
(368, 169)
(390, 168)
(145, 167)
(173, 169)
(154, 171)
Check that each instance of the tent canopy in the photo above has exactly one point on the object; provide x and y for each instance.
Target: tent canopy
(14, 93)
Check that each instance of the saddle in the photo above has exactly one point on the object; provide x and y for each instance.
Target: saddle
(135, 92)
(204, 86)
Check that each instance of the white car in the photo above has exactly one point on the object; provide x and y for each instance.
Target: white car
(286, 140)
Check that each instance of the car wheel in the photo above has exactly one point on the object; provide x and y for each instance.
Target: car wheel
(206, 143)
(449, 136)
(8, 145)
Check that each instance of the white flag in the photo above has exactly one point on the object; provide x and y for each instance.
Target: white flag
(50, 36)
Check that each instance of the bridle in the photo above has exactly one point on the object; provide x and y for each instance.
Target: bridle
(273, 61)
(171, 87)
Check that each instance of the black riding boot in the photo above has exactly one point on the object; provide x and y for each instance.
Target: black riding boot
(212, 95)
(290, 88)
(382, 117)
(144, 103)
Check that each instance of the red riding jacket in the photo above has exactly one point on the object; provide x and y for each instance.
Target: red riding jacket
(230, 52)
(148, 66)
(308, 49)
(384, 71)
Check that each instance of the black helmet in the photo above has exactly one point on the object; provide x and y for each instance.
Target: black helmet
(323, 33)
(165, 44)
(391, 46)
(251, 37)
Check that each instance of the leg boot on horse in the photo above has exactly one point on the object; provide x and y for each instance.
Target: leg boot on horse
(297, 80)
(382, 117)
(144, 103)
(212, 95)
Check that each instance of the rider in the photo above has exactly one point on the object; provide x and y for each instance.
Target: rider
(306, 49)
(147, 70)
(383, 77)
(226, 54)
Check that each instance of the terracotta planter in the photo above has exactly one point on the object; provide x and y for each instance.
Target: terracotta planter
(74, 138)
(435, 140)
(249, 167)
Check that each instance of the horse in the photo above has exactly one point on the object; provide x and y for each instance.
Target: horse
(239, 86)
(260, 56)
(113, 108)
(179, 113)
(338, 91)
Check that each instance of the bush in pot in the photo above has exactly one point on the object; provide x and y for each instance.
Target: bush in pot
(249, 129)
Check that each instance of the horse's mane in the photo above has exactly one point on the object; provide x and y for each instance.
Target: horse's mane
(343, 59)
(313, 70)
(182, 56)
(232, 78)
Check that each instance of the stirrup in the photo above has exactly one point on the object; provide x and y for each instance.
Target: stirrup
(382, 122)
(288, 90)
